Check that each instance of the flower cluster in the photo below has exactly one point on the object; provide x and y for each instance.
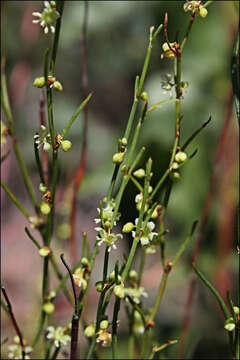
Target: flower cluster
(59, 335)
(135, 293)
(105, 235)
(196, 8)
(147, 233)
(43, 139)
(48, 17)
(15, 350)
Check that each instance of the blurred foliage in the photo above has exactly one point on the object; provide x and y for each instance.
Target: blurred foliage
(117, 42)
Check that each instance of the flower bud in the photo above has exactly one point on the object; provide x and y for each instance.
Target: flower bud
(112, 276)
(89, 331)
(154, 214)
(175, 166)
(132, 275)
(236, 310)
(84, 262)
(203, 12)
(39, 82)
(140, 173)
(128, 227)
(119, 291)
(149, 189)
(48, 308)
(46, 146)
(44, 251)
(180, 156)
(124, 141)
(175, 175)
(144, 96)
(42, 188)
(66, 145)
(57, 86)
(52, 294)
(45, 208)
(229, 324)
(167, 51)
(99, 286)
(118, 158)
(123, 168)
(104, 324)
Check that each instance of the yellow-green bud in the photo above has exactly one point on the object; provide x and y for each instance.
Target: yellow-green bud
(52, 294)
(42, 188)
(48, 308)
(57, 86)
(203, 12)
(119, 291)
(118, 158)
(84, 262)
(44, 251)
(149, 189)
(154, 214)
(236, 310)
(180, 156)
(89, 331)
(39, 82)
(132, 275)
(175, 175)
(45, 208)
(99, 286)
(144, 96)
(123, 168)
(140, 173)
(128, 227)
(167, 51)
(175, 166)
(229, 324)
(104, 324)
(112, 276)
(66, 145)
(53, 3)
(124, 141)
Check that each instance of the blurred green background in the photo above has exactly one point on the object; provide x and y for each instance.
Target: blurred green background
(116, 45)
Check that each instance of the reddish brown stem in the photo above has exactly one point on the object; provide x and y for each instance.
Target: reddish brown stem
(13, 320)
(83, 157)
(206, 210)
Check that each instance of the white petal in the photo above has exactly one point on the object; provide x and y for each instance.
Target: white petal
(97, 221)
(98, 228)
(133, 234)
(52, 29)
(136, 221)
(144, 240)
(46, 4)
(42, 23)
(36, 21)
(45, 30)
(38, 14)
(151, 225)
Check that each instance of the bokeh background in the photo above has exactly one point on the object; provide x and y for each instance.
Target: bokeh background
(116, 44)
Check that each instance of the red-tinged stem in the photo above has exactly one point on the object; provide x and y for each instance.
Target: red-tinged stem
(44, 153)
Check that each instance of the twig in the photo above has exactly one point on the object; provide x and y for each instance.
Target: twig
(75, 318)
(13, 320)
(44, 153)
(83, 157)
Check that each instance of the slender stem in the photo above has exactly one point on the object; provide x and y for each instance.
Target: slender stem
(136, 183)
(192, 18)
(14, 200)
(159, 297)
(32, 238)
(38, 162)
(60, 7)
(55, 354)
(44, 153)
(64, 279)
(196, 132)
(114, 327)
(16, 327)
(159, 104)
(141, 266)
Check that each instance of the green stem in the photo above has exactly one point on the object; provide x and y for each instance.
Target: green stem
(38, 162)
(14, 200)
(141, 266)
(136, 183)
(213, 291)
(60, 6)
(76, 114)
(114, 327)
(159, 297)
(32, 238)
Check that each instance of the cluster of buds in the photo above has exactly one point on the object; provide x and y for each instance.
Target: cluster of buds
(122, 147)
(103, 336)
(230, 323)
(39, 82)
(15, 350)
(180, 158)
(171, 50)
(196, 8)
(48, 17)
(65, 144)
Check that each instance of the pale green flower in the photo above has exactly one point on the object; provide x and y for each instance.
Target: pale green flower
(147, 233)
(15, 351)
(135, 293)
(48, 17)
(58, 335)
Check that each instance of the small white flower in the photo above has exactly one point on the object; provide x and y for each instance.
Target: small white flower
(78, 277)
(58, 335)
(15, 351)
(147, 233)
(192, 6)
(107, 237)
(47, 18)
(135, 294)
